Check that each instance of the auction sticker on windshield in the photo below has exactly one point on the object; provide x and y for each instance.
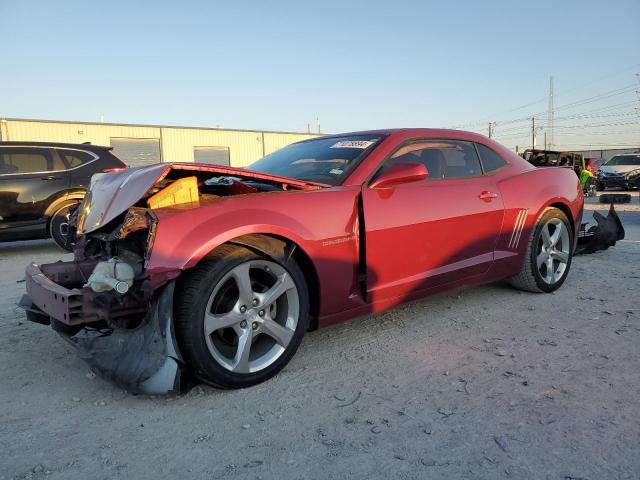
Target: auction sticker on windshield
(354, 144)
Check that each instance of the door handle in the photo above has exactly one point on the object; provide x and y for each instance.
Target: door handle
(48, 177)
(487, 196)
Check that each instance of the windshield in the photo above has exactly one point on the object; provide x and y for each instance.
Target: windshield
(624, 160)
(323, 160)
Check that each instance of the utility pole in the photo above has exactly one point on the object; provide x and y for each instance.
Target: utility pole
(550, 113)
(490, 126)
(533, 132)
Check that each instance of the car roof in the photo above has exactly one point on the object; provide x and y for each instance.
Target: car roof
(417, 131)
(82, 146)
(388, 131)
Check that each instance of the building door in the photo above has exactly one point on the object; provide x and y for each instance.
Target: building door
(212, 155)
(136, 152)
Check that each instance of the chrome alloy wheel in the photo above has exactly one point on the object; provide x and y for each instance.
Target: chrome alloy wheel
(251, 316)
(553, 251)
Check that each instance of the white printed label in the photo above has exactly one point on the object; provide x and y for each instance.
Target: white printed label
(362, 144)
(335, 171)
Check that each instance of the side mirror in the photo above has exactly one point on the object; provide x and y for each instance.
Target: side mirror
(400, 173)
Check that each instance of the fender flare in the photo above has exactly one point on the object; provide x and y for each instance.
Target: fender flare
(283, 249)
(564, 205)
(61, 199)
(275, 242)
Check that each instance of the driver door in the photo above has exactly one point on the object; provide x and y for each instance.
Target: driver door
(428, 233)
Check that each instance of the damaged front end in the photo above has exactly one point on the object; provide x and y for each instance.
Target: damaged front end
(103, 304)
(607, 231)
(110, 302)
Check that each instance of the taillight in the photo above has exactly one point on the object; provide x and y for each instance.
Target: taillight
(113, 170)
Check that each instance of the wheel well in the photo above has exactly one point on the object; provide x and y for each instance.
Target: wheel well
(567, 211)
(61, 201)
(276, 246)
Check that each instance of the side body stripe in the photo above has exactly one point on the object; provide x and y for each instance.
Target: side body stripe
(517, 228)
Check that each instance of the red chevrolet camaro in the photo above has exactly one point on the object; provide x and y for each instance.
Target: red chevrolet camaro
(217, 272)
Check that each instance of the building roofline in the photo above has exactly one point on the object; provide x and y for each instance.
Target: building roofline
(140, 125)
(28, 143)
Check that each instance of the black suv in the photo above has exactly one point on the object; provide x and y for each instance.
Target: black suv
(41, 183)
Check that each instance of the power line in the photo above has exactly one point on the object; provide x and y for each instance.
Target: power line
(499, 131)
(498, 124)
(595, 98)
(573, 89)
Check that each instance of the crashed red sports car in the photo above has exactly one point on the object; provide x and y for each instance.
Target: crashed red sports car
(217, 273)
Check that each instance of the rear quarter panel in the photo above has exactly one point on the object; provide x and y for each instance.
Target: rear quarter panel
(525, 196)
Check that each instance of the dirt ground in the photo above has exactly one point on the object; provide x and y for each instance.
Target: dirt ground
(485, 383)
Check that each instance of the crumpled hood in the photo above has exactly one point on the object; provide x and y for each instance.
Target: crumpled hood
(110, 194)
(619, 168)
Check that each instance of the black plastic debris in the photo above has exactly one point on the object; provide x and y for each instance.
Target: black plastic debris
(607, 231)
(142, 360)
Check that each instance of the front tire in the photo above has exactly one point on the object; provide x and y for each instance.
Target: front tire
(548, 257)
(240, 316)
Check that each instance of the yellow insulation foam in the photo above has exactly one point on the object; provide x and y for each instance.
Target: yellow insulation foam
(184, 190)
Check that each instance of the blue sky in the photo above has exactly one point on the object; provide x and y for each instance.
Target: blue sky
(354, 65)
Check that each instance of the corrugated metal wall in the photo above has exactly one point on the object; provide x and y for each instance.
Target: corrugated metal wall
(176, 143)
(97, 134)
(275, 141)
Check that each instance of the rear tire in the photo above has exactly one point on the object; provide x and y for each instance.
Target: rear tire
(240, 316)
(548, 256)
(59, 225)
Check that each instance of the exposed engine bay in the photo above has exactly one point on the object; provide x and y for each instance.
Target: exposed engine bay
(117, 287)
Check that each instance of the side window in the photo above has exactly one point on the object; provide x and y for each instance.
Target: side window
(461, 160)
(75, 158)
(443, 158)
(490, 160)
(25, 160)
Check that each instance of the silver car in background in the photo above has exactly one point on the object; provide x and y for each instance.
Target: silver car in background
(621, 171)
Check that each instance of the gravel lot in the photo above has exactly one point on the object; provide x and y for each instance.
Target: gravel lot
(482, 383)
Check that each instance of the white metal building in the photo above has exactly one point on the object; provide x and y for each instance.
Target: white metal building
(144, 144)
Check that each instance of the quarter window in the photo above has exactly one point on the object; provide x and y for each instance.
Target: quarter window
(490, 160)
(75, 158)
